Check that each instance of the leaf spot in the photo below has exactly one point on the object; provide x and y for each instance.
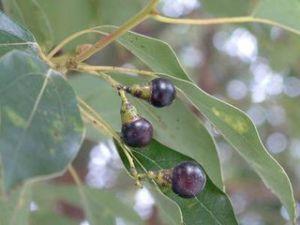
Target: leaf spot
(56, 129)
(239, 124)
(192, 205)
(15, 118)
(52, 151)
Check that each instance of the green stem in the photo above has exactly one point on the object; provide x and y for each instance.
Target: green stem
(91, 115)
(90, 68)
(225, 20)
(123, 96)
(115, 84)
(134, 21)
(80, 186)
(210, 21)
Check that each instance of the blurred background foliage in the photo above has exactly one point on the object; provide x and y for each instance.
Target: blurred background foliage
(254, 67)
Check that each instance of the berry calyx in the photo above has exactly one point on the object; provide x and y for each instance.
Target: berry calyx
(136, 131)
(188, 179)
(159, 92)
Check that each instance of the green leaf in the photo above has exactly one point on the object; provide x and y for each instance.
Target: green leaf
(235, 125)
(175, 126)
(168, 210)
(100, 206)
(146, 49)
(50, 200)
(41, 128)
(238, 129)
(36, 21)
(209, 207)
(283, 12)
(225, 7)
(14, 36)
(14, 209)
(52, 21)
(45, 217)
(275, 49)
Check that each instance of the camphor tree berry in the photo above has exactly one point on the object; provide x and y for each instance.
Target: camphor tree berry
(53, 98)
(136, 131)
(159, 92)
(188, 179)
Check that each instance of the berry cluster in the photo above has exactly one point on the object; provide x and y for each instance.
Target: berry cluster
(137, 131)
(187, 179)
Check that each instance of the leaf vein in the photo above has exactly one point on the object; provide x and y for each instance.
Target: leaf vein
(31, 116)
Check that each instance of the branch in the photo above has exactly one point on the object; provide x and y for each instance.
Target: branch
(224, 20)
(131, 23)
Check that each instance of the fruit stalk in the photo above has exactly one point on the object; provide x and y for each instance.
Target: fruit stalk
(129, 113)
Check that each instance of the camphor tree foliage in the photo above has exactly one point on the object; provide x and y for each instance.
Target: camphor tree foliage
(46, 110)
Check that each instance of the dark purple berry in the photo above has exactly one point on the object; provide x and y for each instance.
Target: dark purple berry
(137, 133)
(163, 92)
(188, 179)
(159, 92)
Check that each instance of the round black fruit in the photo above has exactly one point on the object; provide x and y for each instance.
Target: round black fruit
(188, 179)
(137, 133)
(163, 92)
